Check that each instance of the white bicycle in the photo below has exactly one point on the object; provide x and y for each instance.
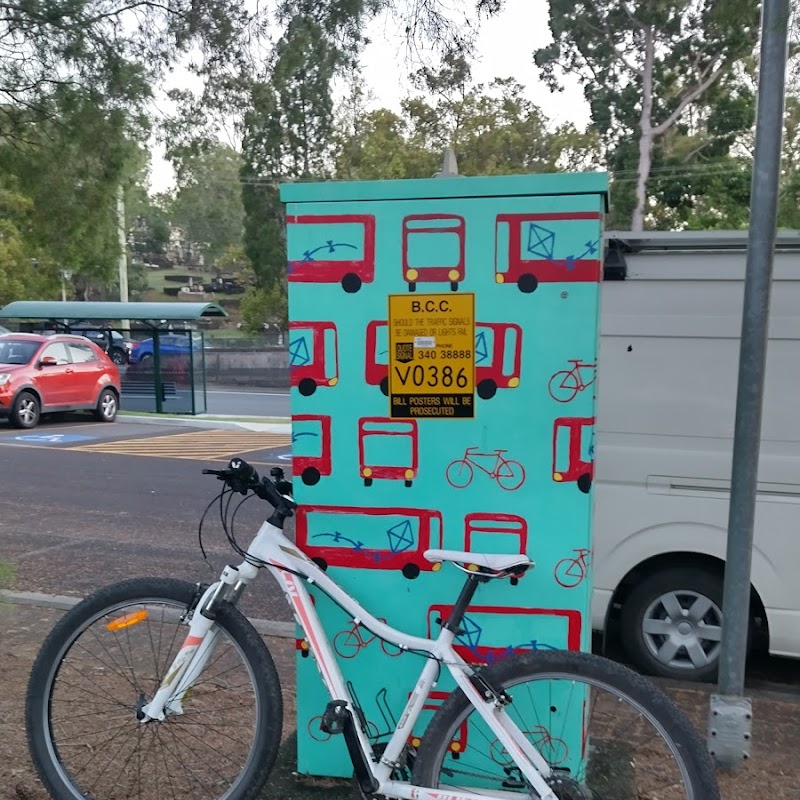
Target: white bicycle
(145, 674)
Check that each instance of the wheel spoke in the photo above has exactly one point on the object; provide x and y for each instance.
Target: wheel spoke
(672, 605)
(668, 650)
(711, 633)
(696, 653)
(660, 627)
(699, 608)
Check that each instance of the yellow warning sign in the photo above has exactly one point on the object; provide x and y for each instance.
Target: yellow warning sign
(432, 356)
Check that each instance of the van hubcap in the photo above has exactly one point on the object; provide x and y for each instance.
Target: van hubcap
(683, 629)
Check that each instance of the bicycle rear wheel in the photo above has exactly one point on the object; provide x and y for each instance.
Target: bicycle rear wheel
(105, 659)
(607, 733)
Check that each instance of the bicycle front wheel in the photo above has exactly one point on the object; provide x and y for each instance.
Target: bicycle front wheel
(106, 658)
(605, 731)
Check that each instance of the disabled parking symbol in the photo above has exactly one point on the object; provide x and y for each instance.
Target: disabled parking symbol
(54, 438)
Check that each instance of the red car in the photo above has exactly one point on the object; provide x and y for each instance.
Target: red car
(45, 374)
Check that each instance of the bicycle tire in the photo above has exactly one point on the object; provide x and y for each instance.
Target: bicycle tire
(687, 747)
(569, 384)
(514, 479)
(250, 781)
(568, 564)
(459, 483)
(349, 646)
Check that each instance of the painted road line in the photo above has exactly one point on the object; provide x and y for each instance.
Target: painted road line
(197, 445)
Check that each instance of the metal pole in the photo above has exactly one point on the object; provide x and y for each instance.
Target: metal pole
(123, 254)
(730, 717)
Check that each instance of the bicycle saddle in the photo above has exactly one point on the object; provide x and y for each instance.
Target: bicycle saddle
(493, 561)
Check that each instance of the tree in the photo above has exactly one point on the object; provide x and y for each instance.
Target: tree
(208, 199)
(70, 169)
(288, 130)
(789, 200)
(114, 49)
(493, 129)
(643, 65)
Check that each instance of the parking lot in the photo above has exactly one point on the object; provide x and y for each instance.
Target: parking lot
(87, 503)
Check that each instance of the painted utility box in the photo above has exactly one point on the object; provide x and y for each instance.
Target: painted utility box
(443, 345)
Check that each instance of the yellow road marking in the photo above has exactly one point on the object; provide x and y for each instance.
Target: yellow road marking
(198, 445)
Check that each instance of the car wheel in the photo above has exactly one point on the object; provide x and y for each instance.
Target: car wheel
(26, 410)
(671, 624)
(107, 406)
(118, 356)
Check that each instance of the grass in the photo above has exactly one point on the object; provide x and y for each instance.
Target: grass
(7, 575)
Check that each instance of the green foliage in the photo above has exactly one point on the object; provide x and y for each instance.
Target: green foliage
(110, 51)
(493, 129)
(235, 261)
(71, 170)
(645, 68)
(20, 277)
(260, 306)
(208, 201)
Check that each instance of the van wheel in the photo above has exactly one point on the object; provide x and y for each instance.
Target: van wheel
(671, 624)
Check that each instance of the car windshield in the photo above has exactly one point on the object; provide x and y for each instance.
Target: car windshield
(16, 351)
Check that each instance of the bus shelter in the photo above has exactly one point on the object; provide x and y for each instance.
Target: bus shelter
(159, 352)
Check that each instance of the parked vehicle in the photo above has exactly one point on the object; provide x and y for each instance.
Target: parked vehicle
(665, 419)
(46, 374)
(112, 342)
(170, 344)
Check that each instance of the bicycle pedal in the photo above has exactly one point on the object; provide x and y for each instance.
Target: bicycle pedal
(334, 718)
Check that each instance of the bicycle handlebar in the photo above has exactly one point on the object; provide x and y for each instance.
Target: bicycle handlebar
(242, 477)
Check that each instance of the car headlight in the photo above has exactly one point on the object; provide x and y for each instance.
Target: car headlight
(5, 377)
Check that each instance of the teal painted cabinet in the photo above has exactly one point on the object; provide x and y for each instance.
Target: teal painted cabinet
(511, 472)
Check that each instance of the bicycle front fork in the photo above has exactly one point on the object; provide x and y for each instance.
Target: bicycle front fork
(198, 645)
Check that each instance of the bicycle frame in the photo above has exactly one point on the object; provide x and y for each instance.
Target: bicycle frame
(280, 554)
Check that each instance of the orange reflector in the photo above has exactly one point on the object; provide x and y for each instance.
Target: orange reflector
(416, 742)
(455, 746)
(127, 620)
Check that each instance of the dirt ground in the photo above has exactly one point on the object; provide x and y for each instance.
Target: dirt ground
(773, 771)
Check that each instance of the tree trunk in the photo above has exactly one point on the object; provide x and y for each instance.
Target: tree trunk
(646, 135)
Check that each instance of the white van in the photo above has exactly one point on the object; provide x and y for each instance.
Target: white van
(668, 368)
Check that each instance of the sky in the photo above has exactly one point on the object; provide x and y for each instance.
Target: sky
(504, 49)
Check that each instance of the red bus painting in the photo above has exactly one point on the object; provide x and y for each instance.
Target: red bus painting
(331, 248)
(433, 250)
(397, 439)
(498, 357)
(313, 356)
(519, 630)
(434, 702)
(528, 249)
(573, 451)
(376, 371)
(369, 538)
(495, 533)
(311, 447)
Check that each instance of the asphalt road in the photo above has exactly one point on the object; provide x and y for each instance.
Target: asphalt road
(73, 521)
(248, 402)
